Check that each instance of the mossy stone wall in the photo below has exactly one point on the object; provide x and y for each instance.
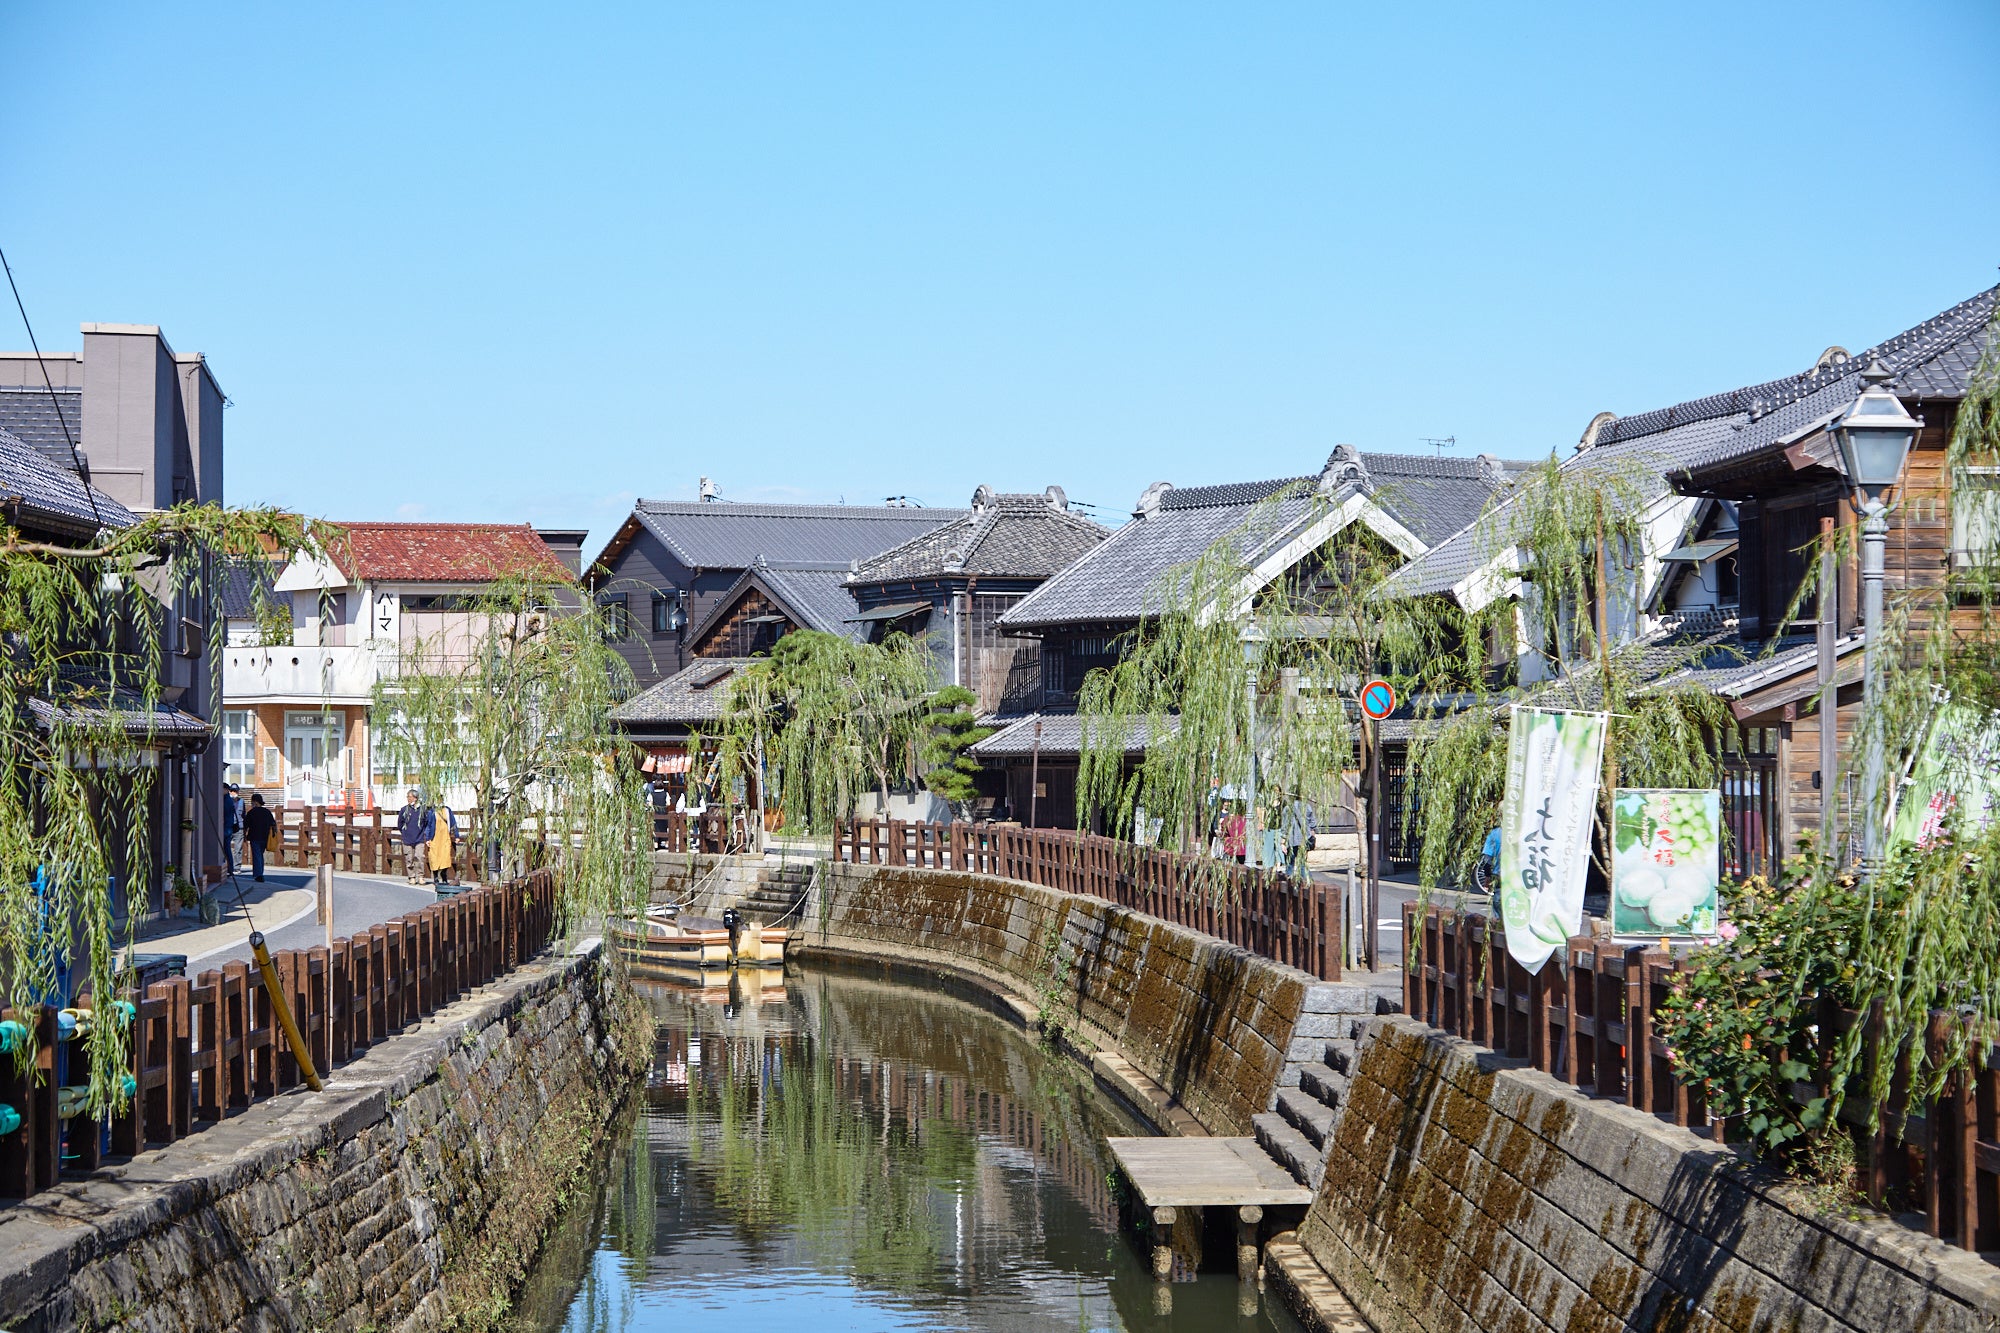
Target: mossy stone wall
(1467, 1194)
(412, 1194)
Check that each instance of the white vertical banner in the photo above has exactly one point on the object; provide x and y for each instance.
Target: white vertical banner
(1553, 765)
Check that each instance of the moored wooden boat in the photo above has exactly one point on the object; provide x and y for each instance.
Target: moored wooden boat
(689, 942)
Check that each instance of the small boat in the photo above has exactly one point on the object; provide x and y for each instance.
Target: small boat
(689, 942)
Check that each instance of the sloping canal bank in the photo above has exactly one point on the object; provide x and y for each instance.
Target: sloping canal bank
(411, 1195)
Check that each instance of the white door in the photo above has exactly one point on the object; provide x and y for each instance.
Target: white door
(312, 755)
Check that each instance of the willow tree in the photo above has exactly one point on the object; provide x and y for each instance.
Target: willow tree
(1916, 934)
(509, 709)
(1229, 665)
(822, 721)
(1565, 543)
(81, 685)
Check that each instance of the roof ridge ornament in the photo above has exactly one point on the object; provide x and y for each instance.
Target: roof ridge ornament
(1600, 423)
(1150, 498)
(1343, 465)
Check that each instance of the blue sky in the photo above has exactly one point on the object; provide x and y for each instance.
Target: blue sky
(530, 262)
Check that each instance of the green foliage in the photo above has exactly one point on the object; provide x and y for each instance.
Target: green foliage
(1173, 723)
(1743, 1024)
(954, 730)
(82, 667)
(826, 720)
(509, 709)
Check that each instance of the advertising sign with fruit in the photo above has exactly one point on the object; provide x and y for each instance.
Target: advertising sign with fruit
(1666, 862)
(1552, 774)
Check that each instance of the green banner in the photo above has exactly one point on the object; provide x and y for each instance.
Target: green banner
(1958, 769)
(1666, 862)
(1553, 761)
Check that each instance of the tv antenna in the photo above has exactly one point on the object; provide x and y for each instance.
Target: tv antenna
(1447, 442)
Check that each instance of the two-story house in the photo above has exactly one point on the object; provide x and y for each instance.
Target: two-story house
(297, 718)
(678, 581)
(1742, 482)
(142, 425)
(1083, 615)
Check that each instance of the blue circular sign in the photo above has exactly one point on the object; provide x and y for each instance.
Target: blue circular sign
(1378, 699)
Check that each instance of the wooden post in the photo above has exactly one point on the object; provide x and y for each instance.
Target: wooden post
(1829, 708)
(1247, 1255)
(1163, 1243)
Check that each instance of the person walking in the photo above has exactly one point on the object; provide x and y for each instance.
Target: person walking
(258, 826)
(443, 845)
(413, 827)
(232, 827)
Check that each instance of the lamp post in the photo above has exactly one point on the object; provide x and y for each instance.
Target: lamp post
(1253, 835)
(1874, 435)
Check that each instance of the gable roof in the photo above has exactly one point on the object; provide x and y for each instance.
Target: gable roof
(35, 416)
(694, 694)
(1934, 360)
(445, 553)
(1415, 497)
(719, 535)
(810, 598)
(1002, 536)
(43, 491)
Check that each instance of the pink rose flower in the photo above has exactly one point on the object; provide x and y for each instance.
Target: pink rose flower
(1727, 930)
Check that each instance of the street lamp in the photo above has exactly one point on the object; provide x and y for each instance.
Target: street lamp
(1253, 652)
(1874, 435)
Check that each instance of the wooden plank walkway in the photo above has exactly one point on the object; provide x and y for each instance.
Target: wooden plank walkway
(1206, 1173)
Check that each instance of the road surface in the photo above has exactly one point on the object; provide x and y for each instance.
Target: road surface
(359, 901)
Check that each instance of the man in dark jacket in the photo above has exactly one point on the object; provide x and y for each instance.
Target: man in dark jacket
(258, 826)
(414, 828)
(232, 826)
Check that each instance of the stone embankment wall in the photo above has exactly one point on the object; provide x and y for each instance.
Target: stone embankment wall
(1463, 1193)
(1212, 1026)
(411, 1194)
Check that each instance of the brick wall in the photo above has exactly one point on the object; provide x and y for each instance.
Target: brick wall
(1463, 1193)
(410, 1195)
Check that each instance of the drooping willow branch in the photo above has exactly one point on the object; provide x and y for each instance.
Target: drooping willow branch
(82, 671)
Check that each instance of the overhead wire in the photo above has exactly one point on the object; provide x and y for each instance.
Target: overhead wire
(75, 458)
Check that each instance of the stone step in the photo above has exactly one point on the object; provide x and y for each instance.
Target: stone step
(1288, 1148)
(1310, 1116)
(1340, 1055)
(1325, 1084)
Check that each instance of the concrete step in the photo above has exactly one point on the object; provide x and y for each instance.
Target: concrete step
(1310, 1116)
(1288, 1148)
(1323, 1083)
(1340, 1055)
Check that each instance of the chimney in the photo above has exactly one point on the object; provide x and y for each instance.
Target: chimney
(566, 544)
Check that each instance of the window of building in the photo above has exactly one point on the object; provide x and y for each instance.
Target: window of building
(1975, 518)
(667, 614)
(617, 618)
(239, 745)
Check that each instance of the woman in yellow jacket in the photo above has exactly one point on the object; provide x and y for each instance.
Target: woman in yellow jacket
(443, 843)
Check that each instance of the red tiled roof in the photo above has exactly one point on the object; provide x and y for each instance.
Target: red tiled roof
(447, 553)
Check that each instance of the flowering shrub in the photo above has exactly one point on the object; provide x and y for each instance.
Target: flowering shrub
(1742, 1024)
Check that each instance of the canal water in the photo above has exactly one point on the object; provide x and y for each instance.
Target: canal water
(824, 1151)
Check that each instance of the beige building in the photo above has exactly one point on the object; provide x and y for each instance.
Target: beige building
(303, 655)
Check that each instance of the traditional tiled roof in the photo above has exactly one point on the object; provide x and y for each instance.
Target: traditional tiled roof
(815, 599)
(824, 537)
(1062, 736)
(239, 583)
(55, 494)
(1002, 536)
(445, 553)
(1427, 496)
(30, 415)
(125, 709)
(693, 695)
(1932, 360)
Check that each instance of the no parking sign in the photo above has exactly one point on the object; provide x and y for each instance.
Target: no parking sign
(1378, 699)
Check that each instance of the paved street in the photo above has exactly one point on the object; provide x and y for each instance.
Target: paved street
(1395, 893)
(359, 901)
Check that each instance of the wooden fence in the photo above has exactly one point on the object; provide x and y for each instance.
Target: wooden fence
(207, 1048)
(1587, 1018)
(715, 830)
(1290, 921)
(365, 843)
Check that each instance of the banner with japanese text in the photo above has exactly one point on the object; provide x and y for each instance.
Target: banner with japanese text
(1666, 862)
(1553, 762)
(1958, 769)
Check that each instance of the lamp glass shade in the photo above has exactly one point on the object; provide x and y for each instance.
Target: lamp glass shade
(1874, 455)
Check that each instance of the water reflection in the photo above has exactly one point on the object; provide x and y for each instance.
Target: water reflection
(837, 1153)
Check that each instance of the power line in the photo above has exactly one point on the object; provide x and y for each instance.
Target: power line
(76, 459)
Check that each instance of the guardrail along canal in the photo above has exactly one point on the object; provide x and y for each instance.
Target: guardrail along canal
(824, 1151)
